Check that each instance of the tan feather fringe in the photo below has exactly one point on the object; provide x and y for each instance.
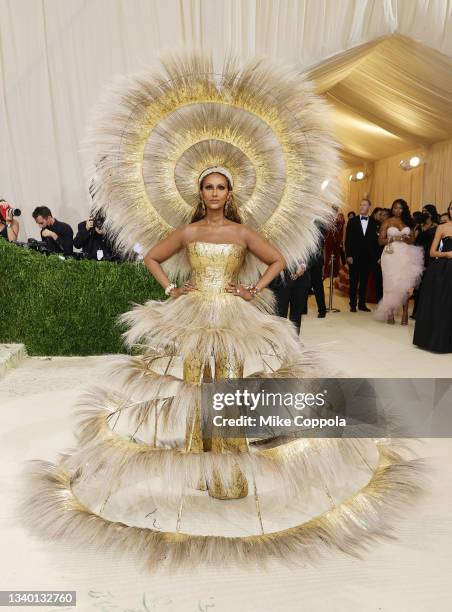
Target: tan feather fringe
(294, 466)
(152, 134)
(351, 527)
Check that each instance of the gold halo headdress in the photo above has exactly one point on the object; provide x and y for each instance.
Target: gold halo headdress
(155, 133)
(219, 170)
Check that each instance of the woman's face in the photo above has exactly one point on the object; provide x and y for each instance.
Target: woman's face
(214, 191)
(397, 210)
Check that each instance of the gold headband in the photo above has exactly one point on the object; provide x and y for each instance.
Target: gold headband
(217, 169)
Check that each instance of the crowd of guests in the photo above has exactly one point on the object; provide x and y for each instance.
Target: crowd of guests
(399, 254)
(406, 255)
(58, 237)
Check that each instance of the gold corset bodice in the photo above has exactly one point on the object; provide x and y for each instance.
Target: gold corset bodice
(214, 266)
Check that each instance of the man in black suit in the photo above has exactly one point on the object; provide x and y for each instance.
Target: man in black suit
(292, 290)
(361, 249)
(315, 269)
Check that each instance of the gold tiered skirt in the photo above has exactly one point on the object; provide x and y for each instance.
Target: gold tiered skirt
(141, 446)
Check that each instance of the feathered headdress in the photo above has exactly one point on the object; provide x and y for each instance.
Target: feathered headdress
(152, 135)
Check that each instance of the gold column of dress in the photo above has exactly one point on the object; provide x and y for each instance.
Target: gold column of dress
(214, 266)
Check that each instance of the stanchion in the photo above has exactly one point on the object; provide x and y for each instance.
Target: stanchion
(330, 299)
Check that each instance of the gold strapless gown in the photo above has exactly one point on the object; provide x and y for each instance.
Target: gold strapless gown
(185, 342)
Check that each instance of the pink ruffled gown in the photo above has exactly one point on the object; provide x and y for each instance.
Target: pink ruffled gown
(402, 270)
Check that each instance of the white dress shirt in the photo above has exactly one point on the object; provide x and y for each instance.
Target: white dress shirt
(364, 224)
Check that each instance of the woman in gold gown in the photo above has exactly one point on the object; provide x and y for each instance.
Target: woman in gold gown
(145, 476)
(216, 243)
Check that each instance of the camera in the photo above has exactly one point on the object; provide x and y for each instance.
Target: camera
(5, 208)
(37, 245)
(98, 220)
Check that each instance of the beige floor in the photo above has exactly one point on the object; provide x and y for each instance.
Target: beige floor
(411, 573)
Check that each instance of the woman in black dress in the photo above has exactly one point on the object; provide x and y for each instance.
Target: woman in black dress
(433, 330)
(425, 233)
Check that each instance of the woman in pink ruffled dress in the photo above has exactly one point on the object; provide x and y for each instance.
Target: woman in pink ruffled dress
(401, 263)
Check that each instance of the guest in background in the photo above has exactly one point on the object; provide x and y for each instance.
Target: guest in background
(424, 235)
(291, 292)
(350, 215)
(417, 219)
(385, 214)
(334, 241)
(57, 235)
(361, 250)
(401, 263)
(444, 217)
(433, 329)
(376, 215)
(9, 226)
(315, 269)
(426, 229)
(375, 291)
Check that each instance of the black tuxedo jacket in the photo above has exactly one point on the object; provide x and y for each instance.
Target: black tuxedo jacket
(359, 245)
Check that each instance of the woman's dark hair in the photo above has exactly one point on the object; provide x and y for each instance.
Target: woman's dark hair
(448, 211)
(375, 211)
(431, 209)
(406, 215)
(351, 214)
(230, 210)
(419, 217)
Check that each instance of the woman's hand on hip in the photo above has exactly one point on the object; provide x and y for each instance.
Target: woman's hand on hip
(186, 288)
(239, 291)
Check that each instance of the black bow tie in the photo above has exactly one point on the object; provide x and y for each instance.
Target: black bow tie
(364, 218)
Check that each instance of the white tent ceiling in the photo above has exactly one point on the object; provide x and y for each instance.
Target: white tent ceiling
(384, 65)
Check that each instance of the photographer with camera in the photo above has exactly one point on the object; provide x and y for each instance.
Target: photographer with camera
(56, 235)
(9, 226)
(92, 239)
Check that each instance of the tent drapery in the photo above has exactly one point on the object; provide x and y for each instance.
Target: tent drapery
(431, 182)
(389, 94)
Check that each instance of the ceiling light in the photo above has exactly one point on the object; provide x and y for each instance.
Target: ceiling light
(409, 164)
(358, 176)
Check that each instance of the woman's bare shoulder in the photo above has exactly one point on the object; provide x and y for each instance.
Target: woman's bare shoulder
(444, 229)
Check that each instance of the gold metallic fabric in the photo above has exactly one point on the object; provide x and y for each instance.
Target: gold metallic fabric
(214, 266)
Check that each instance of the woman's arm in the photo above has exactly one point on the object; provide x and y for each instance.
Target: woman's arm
(12, 228)
(383, 239)
(162, 251)
(410, 238)
(436, 240)
(267, 253)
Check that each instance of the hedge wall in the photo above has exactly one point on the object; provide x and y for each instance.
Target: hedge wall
(67, 307)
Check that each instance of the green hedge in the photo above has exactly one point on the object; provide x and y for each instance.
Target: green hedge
(67, 307)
